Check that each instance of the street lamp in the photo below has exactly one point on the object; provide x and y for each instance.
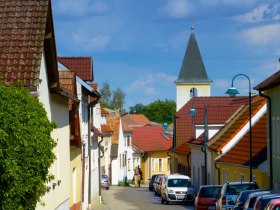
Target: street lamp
(232, 92)
(193, 112)
(165, 126)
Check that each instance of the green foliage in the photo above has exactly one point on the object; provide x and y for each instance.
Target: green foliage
(26, 149)
(123, 184)
(158, 111)
(112, 99)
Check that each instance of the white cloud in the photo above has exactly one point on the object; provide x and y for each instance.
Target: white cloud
(150, 83)
(81, 8)
(267, 35)
(177, 8)
(263, 12)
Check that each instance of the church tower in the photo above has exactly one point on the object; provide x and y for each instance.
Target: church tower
(192, 80)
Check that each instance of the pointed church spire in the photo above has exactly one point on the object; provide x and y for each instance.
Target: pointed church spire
(193, 69)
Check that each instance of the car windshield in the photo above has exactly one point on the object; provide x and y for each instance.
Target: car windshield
(210, 192)
(179, 183)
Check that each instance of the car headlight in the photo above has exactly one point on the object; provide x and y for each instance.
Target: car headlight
(170, 191)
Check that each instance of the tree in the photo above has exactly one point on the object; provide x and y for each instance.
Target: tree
(118, 100)
(106, 94)
(26, 149)
(137, 109)
(156, 111)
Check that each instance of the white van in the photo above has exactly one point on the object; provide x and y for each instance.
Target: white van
(177, 188)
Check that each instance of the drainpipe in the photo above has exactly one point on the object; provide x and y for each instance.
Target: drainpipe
(188, 162)
(219, 172)
(270, 137)
(99, 157)
(90, 105)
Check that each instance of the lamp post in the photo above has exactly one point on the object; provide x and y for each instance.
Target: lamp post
(165, 126)
(193, 112)
(232, 91)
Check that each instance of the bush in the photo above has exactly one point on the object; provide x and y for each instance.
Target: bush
(123, 184)
(26, 149)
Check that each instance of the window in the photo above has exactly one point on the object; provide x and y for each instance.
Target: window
(242, 177)
(224, 175)
(153, 164)
(254, 178)
(128, 141)
(168, 164)
(193, 92)
(160, 166)
(128, 165)
(227, 175)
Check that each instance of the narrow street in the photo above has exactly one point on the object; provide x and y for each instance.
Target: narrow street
(130, 198)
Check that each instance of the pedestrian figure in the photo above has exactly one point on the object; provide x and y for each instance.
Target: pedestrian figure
(140, 176)
(136, 177)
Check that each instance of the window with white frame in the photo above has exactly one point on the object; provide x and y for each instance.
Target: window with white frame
(128, 164)
(168, 163)
(128, 141)
(160, 164)
(154, 163)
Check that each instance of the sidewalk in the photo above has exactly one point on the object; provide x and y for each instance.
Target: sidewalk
(105, 194)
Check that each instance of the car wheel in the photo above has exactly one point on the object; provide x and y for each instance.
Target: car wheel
(166, 202)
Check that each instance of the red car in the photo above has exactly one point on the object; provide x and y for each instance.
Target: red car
(206, 197)
(274, 204)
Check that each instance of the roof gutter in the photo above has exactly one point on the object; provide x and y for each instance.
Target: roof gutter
(270, 137)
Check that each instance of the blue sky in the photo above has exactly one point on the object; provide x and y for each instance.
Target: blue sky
(138, 45)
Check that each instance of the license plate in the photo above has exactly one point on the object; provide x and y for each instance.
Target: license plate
(211, 207)
(180, 197)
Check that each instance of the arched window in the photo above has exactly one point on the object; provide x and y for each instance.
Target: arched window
(193, 92)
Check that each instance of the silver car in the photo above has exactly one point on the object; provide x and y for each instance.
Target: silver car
(230, 191)
(105, 181)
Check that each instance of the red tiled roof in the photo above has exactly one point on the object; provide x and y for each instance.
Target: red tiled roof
(96, 131)
(106, 129)
(239, 154)
(25, 27)
(114, 123)
(183, 149)
(219, 110)
(236, 125)
(82, 66)
(104, 112)
(125, 127)
(135, 119)
(270, 82)
(150, 138)
(67, 82)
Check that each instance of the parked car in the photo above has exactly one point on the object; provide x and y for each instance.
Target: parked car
(152, 180)
(158, 185)
(274, 204)
(230, 191)
(242, 197)
(263, 200)
(206, 197)
(249, 204)
(177, 188)
(105, 181)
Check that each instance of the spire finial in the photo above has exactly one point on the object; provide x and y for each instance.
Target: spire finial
(192, 24)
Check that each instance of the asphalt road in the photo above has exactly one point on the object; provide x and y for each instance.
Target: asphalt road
(130, 198)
